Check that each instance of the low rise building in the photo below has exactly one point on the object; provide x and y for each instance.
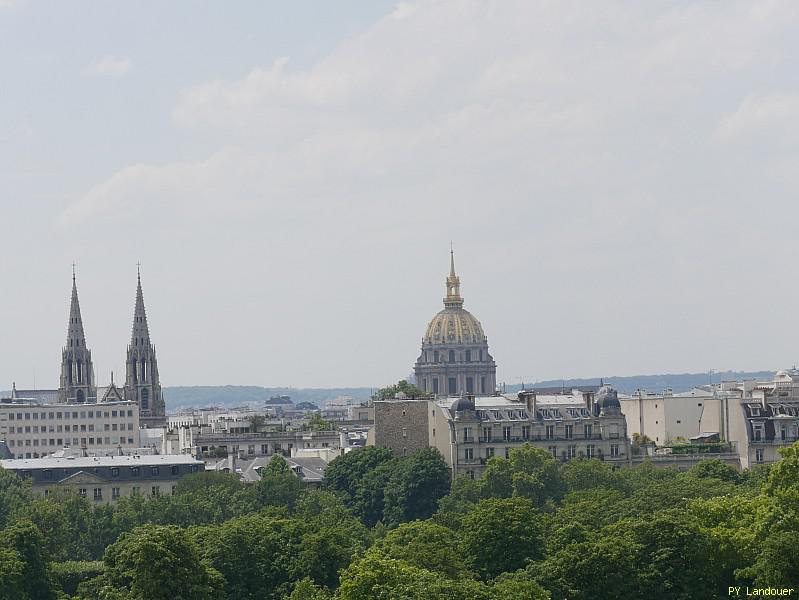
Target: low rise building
(667, 417)
(34, 430)
(756, 418)
(104, 479)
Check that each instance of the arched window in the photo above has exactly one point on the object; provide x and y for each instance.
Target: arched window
(144, 396)
(80, 371)
(435, 356)
(69, 371)
(481, 356)
(452, 356)
(143, 370)
(80, 397)
(468, 356)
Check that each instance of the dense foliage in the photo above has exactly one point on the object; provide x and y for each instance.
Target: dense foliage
(388, 527)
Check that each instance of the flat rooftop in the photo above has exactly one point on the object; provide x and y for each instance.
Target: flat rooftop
(87, 462)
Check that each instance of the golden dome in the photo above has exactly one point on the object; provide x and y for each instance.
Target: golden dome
(454, 326)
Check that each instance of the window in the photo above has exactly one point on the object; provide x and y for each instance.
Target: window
(82, 492)
(589, 451)
(435, 385)
(468, 454)
(114, 471)
(525, 432)
(115, 493)
(550, 432)
(482, 383)
(452, 356)
(755, 411)
(134, 471)
(614, 450)
(486, 434)
(570, 431)
(553, 450)
(759, 455)
(154, 470)
(506, 431)
(175, 469)
(98, 493)
(135, 490)
(489, 452)
(468, 356)
(154, 490)
(467, 434)
(757, 432)
(589, 430)
(48, 474)
(452, 386)
(470, 385)
(572, 451)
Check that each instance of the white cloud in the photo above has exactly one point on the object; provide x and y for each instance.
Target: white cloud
(108, 66)
(772, 117)
(559, 142)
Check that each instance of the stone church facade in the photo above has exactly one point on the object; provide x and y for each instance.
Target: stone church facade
(77, 380)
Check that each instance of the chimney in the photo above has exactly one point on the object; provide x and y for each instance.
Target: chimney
(231, 462)
(528, 397)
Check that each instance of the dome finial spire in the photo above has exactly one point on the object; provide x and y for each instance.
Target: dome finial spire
(453, 299)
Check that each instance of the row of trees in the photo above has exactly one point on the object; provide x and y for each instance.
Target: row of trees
(393, 527)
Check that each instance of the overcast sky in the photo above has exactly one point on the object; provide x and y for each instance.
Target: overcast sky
(619, 180)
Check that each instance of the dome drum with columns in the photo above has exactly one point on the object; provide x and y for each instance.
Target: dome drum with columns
(455, 358)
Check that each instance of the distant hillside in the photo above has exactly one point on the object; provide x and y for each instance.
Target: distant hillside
(234, 395)
(678, 382)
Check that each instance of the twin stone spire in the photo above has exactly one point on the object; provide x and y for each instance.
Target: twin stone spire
(142, 384)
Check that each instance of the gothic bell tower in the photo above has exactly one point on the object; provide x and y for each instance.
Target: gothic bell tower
(142, 384)
(77, 370)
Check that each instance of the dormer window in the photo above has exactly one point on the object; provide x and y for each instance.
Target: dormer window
(755, 410)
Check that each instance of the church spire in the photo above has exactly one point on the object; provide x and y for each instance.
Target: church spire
(140, 335)
(453, 299)
(75, 335)
(77, 369)
(142, 384)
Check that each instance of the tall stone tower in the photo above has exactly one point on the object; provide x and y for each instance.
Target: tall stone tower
(77, 370)
(142, 384)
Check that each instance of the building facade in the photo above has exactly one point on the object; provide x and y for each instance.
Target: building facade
(454, 358)
(33, 430)
(469, 430)
(756, 418)
(108, 478)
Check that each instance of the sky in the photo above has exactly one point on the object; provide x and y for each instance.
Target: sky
(618, 179)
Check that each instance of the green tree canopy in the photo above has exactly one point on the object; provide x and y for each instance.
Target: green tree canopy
(501, 535)
(416, 484)
(156, 562)
(402, 386)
